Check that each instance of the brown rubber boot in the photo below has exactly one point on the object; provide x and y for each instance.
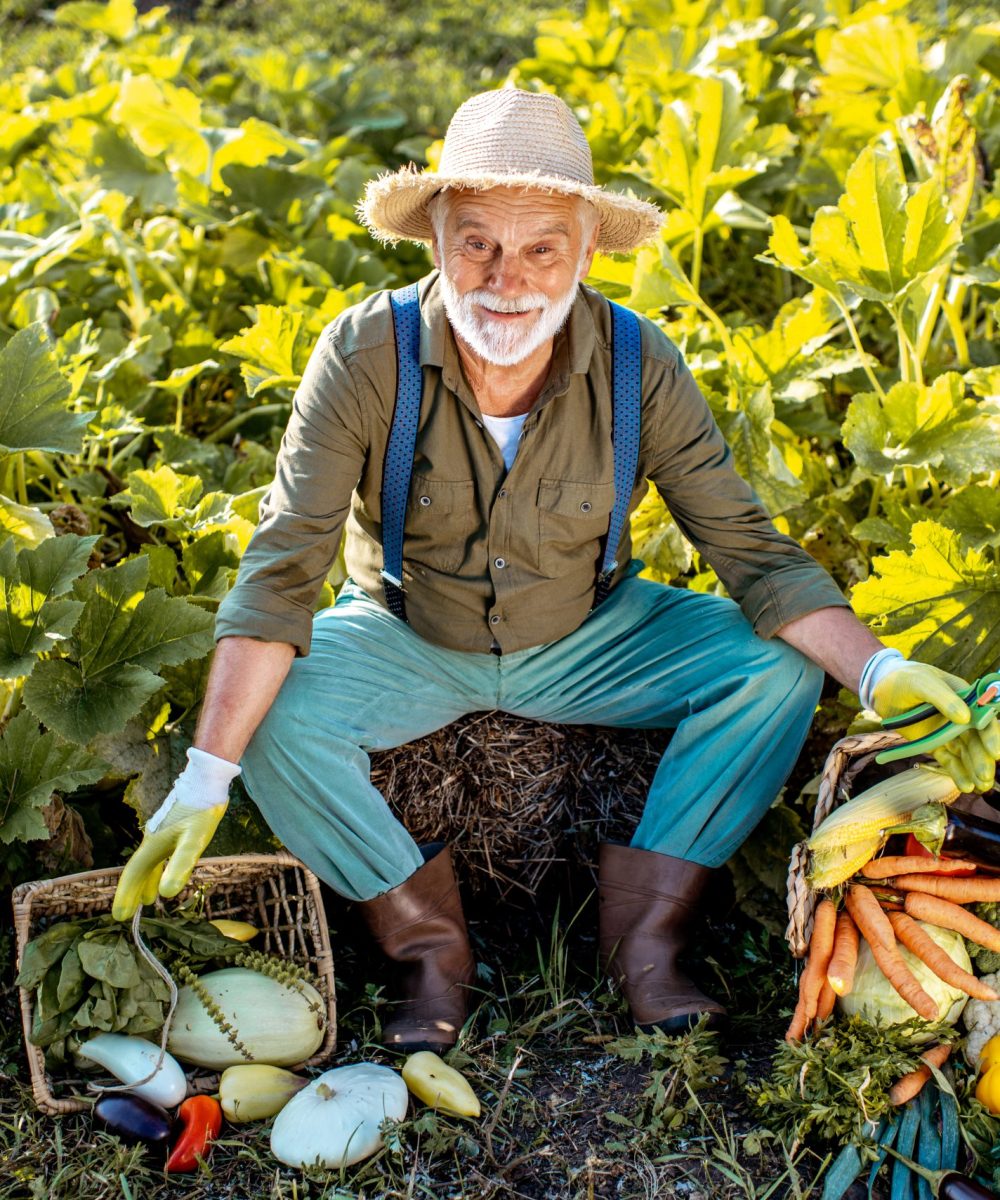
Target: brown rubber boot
(648, 903)
(420, 923)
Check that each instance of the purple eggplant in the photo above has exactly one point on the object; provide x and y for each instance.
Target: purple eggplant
(134, 1120)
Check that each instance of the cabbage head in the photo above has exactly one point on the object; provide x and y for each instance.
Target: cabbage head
(873, 993)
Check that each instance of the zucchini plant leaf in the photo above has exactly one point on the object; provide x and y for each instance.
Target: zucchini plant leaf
(268, 348)
(157, 497)
(24, 524)
(919, 426)
(747, 429)
(32, 766)
(34, 613)
(938, 602)
(121, 640)
(33, 395)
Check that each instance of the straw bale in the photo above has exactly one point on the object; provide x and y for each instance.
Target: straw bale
(514, 797)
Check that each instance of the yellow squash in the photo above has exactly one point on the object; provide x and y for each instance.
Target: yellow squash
(430, 1079)
(238, 931)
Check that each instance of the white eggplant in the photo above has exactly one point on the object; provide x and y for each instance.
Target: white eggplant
(131, 1058)
(278, 1024)
(335, 1121)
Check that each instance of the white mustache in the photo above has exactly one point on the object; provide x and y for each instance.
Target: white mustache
(519, 304)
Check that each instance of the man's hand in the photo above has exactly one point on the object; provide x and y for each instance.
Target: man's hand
(179, 831)
(898, 685)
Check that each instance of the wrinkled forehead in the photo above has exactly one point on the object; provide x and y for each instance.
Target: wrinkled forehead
(522, 206)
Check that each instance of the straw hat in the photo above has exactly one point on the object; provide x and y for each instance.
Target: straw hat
(507, 138)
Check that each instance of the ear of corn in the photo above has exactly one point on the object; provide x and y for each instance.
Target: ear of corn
(834, 864)
(888, 803)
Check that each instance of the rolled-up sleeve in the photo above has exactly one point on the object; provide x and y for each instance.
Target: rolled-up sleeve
(769, 574)
(302, 514)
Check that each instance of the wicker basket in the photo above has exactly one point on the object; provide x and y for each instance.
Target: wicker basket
(273, 891)
(845, 762)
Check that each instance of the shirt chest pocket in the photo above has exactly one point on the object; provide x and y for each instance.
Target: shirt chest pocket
(572, 523)
(440, 520)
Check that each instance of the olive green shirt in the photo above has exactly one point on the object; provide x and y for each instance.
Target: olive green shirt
(496, 558)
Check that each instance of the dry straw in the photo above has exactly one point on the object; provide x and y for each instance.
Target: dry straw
(516, 797)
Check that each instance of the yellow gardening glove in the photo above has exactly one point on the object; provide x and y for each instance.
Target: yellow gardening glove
(177, 834)
(970, 759)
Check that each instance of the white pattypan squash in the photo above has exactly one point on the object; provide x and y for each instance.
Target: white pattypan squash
(335, 1121)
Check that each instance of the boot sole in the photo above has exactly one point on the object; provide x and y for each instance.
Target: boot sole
(684, 1023)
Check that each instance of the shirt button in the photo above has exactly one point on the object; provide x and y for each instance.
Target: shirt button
(495, 619)
(586, 506)
(424, 501)
(500, 563)
(502, 493)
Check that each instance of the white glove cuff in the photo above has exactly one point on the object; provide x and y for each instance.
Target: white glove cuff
(883, 662)
(204, 783)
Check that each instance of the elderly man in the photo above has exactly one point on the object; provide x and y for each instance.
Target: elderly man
(482, 439)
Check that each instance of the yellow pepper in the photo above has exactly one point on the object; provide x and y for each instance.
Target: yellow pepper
(430, 1079)
(989, 1056)
(237, 931)
(988, 1089)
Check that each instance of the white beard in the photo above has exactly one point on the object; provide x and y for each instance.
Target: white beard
(500, 343)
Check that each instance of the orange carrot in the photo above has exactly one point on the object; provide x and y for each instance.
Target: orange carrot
(909, 1085)
(840, 972)
(827, 999)
(911, 864)
(940, 961)
(946, 915)
(820, 950)
(797, 1030)
(961, 891)
(874, 925)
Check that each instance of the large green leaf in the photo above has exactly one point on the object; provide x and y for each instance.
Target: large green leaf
(659, 282)
(919, 426)
(23, 523)
(163, 120)
(747, 429)
(158, 497)
(33, 395)
(33, 618)
(945, 146)
(121, 640)
(657, 540)
(708, 143)
(116, 18)
(268, 348)
(32, 766)
(879, 243)
(939, 602)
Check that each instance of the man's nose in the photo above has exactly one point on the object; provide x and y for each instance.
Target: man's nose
(507, 275)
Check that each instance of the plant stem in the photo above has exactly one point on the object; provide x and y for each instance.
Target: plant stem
(925, 327)
(22, 479)
(699, 249)
(912, 490)
(234, 423)
(954, 320)
(852, 329)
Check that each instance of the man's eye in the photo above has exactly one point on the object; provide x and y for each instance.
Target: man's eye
(478, 246)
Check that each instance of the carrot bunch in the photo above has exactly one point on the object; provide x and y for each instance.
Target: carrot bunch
(884, 906)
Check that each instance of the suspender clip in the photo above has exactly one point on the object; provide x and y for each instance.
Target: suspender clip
(388, 578)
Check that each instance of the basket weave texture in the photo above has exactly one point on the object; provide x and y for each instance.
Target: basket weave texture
(275, 892)
(844, 763)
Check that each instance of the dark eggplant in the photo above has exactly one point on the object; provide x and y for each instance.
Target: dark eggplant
(960, 1187)
(949, 833)
(134, 1120)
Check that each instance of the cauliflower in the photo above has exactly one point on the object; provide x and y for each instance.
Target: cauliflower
(982, 1020)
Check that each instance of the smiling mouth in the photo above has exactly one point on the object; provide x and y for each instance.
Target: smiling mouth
(507, 316)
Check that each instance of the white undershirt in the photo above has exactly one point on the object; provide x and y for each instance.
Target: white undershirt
(505, 431)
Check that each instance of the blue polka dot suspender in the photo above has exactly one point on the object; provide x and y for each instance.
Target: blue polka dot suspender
(398, 465)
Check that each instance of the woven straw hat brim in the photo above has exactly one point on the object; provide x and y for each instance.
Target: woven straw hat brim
(394, 207)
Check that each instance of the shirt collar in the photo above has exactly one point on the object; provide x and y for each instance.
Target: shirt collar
(572, 352)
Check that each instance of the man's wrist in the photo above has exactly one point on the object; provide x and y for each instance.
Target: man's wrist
(883, 662)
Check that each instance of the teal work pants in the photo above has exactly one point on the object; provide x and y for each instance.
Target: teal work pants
(651, 657)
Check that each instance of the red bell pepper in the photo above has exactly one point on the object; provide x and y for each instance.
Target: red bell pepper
(917, 849)
(201, 1117)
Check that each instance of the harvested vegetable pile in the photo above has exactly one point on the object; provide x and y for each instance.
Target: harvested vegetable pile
(892, 874)
(514, 797)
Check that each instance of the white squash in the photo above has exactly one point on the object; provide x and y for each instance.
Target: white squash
(335, 1121)
(279, 1024)
(130, 1058)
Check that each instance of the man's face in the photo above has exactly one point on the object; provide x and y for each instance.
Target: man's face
(510, 263)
